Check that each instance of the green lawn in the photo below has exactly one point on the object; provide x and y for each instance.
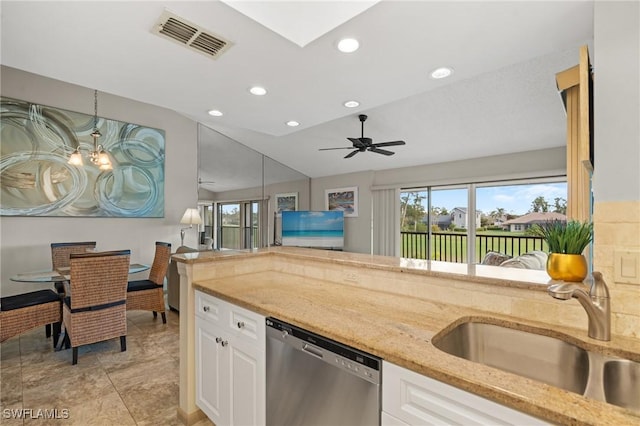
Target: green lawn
(452, 246)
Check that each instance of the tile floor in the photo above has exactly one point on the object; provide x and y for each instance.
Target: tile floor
(106, 387)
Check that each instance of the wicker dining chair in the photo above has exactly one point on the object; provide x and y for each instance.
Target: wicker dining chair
(60, 252)
(60, 259)
(22, 312)
(148, 295)
(95, 310)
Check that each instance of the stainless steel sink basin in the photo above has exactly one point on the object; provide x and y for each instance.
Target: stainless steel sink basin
(537, 357)
(547, 359)
(621, 382)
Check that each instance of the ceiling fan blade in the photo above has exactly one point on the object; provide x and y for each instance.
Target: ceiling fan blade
(392, 143)
(357, 142)
(381, 151)
(328, 149)
(352, 153)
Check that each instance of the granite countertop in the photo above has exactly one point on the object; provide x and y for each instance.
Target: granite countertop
(510, 277)
(400, 329)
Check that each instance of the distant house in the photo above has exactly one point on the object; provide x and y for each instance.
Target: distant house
(458, 217)
(526, 221)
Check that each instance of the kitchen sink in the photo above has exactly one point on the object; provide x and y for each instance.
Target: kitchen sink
(547, 359)
(621, 382)
(543, 358)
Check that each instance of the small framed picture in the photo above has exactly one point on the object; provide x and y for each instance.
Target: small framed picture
(286, 202)
(345, 199)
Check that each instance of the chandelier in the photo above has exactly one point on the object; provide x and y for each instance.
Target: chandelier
(98, 156)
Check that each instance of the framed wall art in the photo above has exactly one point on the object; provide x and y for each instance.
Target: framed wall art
(344, 199)
(37, 179)
(286, 202)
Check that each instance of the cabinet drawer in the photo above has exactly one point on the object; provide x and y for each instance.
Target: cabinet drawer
(209, 308)
(417, 400)
(246, 325)
(240, 323)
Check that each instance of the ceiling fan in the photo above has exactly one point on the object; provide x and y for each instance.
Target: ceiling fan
(363, 144)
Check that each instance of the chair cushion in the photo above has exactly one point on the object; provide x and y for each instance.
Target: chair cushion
(142, 285)
(494, 258)
(531, 260)
(28, 299)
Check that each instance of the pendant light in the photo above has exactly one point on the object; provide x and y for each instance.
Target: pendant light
(98, 156)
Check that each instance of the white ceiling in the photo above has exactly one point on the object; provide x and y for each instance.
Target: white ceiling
(500, 99)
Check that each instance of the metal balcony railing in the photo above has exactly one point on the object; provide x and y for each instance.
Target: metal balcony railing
(452, 246)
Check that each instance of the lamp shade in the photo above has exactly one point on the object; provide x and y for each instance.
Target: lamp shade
(191, 217)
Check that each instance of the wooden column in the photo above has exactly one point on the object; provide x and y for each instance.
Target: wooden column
(574, 85)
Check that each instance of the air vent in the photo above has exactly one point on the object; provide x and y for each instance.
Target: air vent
(190, 35)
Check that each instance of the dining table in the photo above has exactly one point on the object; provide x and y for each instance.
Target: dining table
(62, 274)
(58, 277)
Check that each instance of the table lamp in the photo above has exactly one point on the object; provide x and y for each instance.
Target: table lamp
(191, 217)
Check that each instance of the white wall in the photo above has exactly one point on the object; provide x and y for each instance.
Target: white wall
(548, 162)
(357, 230)
(616, 64)
(24, 243)
(545, 162)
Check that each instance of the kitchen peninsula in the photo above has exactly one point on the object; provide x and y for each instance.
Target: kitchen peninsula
(392, 308)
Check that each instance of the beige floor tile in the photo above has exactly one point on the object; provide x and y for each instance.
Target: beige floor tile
(167, 416)
(106, 387)
(11, 387)
(139, 349)
(105, 410)
(10, 353)
(147, 387)
(204, 422)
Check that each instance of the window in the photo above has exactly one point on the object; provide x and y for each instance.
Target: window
(437, 223)
(238, 225)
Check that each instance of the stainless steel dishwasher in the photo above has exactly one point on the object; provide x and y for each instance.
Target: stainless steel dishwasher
(312, 380)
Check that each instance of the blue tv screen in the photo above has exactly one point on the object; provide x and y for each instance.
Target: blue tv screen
(317, 229)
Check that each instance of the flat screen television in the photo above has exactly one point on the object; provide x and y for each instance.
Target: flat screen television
(315, 229)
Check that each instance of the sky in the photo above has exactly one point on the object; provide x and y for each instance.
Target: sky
(514, 199)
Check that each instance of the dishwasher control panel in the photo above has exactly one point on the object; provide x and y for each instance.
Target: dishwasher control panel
(345, 357)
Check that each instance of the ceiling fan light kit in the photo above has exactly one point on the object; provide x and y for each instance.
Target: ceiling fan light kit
(363, 144)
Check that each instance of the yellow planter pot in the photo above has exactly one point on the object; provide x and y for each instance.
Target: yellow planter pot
(567, 267)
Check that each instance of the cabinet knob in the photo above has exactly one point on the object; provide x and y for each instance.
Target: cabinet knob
(240, 324)
(224, 343)
(218, 339)
(205, 308)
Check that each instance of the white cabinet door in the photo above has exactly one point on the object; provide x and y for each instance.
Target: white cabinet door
(387, 419)
(212, 373)
(230, 362)
(247, 371)
(419, 400)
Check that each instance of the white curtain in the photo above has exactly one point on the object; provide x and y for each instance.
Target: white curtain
(386, 222)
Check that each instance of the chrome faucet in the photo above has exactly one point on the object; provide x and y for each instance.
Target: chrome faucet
(596, 303)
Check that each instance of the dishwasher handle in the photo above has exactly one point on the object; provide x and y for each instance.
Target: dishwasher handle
(313, 350)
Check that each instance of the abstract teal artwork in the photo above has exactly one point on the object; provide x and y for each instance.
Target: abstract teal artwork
(36, 179)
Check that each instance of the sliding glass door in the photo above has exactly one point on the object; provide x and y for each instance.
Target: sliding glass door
(238, 225)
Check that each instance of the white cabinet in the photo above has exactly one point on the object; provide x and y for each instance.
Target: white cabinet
(230, 362)
(413, 399)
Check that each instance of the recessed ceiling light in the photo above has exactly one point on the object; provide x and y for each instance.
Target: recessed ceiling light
(258, 91)
(215, 113)
(292, 123)
(348, 45)
(442, 72)
(351, 104)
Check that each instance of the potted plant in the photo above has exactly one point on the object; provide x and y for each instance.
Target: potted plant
(566, 242)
